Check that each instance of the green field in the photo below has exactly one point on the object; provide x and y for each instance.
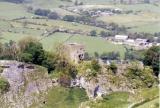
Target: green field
(64, 24)
(150, 104)
(92, 44)
(141, 22)
(125, 99)
(12, 11)
(145, 18)
(114, 100)
(60, 97)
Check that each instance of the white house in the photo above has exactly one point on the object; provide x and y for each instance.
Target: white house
(141, 41)
(121, 37)
(130, 42)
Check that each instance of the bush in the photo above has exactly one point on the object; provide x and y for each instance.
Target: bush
(93, 33)
(42, 12)
(95, 65)
(152, 58)
(4, 85)
(26, 57)
(113, 67)
(1, 70)
(69, 18)
(53, 15)
(140, 77)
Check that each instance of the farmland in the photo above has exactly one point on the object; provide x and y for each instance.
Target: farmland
(100, 46)
(141, 20)
(108, 58)
(12, 11)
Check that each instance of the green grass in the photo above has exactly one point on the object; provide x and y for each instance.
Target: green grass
(92, 44)
(53, 5)
(114, 100)
(142, 22)
(60, 97)
(150, 104)
(65, 24)
(49, 3)
(12, 11)
(141, 7)
(125, 99)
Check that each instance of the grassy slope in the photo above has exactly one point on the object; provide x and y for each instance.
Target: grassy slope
(124, 99)
(114, 100)
(92, 43)
(150, 104)
(12, 11)
(60, 97)
(147, 21)
(65, 24)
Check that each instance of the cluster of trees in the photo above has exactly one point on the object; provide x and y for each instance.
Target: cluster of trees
(15, 1)
(150, 57)
(140, 77)
(90, 68)
(47, 13)
(106, 34)
(114, 55)
(131, 54)
(76, 3)
(115, 28)
(110, 55)
(30, 50)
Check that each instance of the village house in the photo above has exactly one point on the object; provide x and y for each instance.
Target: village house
(75, 51)
(120, 39)
(140, 41)
(130, 42)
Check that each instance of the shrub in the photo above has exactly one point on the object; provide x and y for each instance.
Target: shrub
(140, 77)
(69, 18)
(93, 33)
(113, 67)
(4, 85)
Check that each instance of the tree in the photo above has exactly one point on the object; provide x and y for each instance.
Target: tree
(146, 1)
(95, 65)
(93, 33)
(53, 15)
(30, 47)
(76, 2)
(23, 43)
(42, 12)
(140, 76)
(111, 55)
(151, 58)
(86, 56)
(69, 18)
(81, 3)
(103, 34)
(96, 54)
(50, 62)
(16, 1)
(1, 49)
(113, 67)
(37, 52)
(26, 57)
(10, 50)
